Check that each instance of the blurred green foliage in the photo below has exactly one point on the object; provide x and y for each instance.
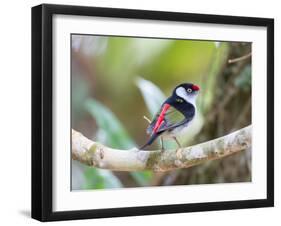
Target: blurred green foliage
(210, 84)
(112, 133)
(244, 80)
(152, 95)
(118, 80)
(99, 179)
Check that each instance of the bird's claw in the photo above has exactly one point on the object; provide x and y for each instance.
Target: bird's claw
(178, 153)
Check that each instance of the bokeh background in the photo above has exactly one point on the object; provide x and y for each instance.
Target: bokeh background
(118, 80)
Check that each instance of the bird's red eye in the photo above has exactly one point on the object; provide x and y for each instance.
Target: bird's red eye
(195, 87)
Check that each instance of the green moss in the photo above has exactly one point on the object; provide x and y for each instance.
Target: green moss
(152, 159)
(220, 146)
(93, 148)
(87, 156)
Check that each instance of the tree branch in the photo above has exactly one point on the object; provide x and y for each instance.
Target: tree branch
(97, 155)
(231, 61)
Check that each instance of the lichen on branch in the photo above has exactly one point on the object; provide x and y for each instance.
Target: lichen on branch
(98, 155)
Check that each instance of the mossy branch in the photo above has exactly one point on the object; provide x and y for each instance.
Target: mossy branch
(97, 155)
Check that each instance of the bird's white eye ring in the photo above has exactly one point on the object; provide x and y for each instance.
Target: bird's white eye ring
(189, 90)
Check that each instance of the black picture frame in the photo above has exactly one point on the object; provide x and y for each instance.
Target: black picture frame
(42, 107)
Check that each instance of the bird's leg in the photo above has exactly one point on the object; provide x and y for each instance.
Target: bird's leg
(162, 144)
(178, 143)
(178, 153)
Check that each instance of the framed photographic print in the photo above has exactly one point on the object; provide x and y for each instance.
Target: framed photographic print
(139, 112)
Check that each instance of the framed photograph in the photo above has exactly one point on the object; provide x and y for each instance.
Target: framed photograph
(139, 112)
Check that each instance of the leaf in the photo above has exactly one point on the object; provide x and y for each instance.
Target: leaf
(152, 95)
(100, 179)
(143, 178)
(243, 81)
(111, 132)
(110, 180)
(110, 129)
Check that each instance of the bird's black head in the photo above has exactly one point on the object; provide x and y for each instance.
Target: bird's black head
(186, 92)
(189, 87)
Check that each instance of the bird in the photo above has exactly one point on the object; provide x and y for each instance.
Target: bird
(174, 115)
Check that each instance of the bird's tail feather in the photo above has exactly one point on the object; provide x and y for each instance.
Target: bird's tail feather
(149, 142)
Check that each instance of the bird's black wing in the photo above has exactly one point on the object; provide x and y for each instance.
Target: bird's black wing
(168, 118)
(174, 118)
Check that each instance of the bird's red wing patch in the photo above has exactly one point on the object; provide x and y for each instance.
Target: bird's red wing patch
(161, 118)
